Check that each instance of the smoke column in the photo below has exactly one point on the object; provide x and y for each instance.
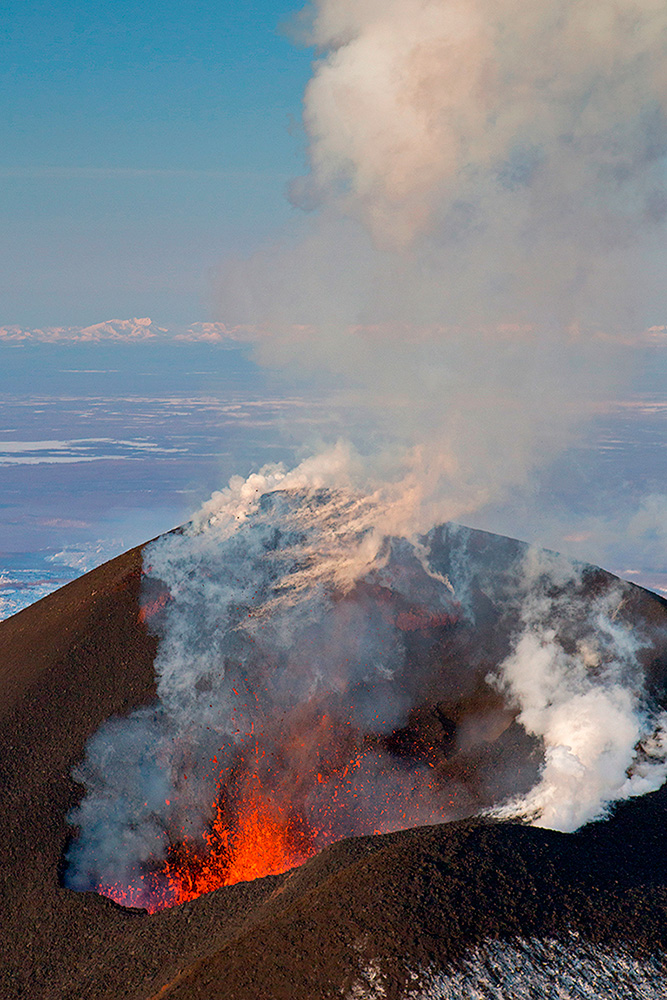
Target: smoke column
(484, 183)
(585, 697)
(554, 113)
(487, 181)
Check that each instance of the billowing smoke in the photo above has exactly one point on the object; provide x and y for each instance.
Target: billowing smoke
(541, 123)
(585, 697)
(282, 671)
(486, 181)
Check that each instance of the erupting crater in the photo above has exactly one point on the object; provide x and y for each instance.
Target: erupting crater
(287, 787)
(314, 686)
(260, 839)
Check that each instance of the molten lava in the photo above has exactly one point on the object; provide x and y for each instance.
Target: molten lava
(260, 826)
(261, 839)
(305, 763)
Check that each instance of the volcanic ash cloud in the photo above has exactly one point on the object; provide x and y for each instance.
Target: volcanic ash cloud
(415, 103)
(487, 181)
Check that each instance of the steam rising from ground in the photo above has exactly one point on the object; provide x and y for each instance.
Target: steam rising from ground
(301, 650)
(585, 698)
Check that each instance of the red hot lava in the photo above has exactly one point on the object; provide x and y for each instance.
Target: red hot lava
(261, 826)
(262, 839)
(296, 783)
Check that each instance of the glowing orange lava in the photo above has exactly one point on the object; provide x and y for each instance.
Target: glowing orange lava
(262, 840)
(286, 790)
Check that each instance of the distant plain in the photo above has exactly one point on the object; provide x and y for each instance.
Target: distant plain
(104, 446)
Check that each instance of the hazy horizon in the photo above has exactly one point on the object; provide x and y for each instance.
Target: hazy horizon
(235, 236)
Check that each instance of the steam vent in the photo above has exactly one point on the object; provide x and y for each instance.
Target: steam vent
(294, 761)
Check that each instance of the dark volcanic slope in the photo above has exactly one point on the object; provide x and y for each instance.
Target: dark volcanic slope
(416, 899)
(81, 655)
(69, 662)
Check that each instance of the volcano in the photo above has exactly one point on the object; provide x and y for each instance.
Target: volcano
(442, 888)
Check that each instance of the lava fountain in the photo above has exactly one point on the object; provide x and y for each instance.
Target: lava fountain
(289, 784)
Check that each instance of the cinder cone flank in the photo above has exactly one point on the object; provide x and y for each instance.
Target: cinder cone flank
(394, 903)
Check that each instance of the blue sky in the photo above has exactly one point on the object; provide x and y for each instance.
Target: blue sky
(139, 144)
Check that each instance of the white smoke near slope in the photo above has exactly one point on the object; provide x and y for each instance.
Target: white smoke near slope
(585, 699)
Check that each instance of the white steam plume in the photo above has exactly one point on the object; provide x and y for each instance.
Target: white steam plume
(585, 699)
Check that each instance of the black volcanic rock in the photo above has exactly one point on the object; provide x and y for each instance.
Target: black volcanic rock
(396, 903)
(419, 899)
